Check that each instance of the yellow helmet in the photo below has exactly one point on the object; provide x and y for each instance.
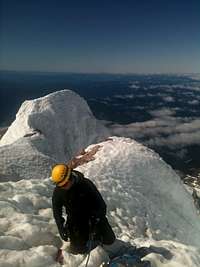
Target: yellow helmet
(60, 174)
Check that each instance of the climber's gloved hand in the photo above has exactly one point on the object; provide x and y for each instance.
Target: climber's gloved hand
(64, 235)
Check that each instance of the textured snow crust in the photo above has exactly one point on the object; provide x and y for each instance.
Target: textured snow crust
(147, 205)
(47, 130)
(144, 192)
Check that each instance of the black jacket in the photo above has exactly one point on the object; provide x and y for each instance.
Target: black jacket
(81, 202)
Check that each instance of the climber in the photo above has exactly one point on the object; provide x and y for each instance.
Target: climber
(85, 210)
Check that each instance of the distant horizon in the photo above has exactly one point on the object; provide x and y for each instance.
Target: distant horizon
(106, 73)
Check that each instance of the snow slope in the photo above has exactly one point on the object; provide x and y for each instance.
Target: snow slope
(147, 205)
(47, 130)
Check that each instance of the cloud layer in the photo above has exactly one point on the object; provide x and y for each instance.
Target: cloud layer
(171, 115)
(164, 130)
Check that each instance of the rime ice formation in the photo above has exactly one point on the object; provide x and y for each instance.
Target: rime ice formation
(148, 189)
(147, 205)
(47, 130)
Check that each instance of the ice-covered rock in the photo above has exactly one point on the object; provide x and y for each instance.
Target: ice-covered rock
(47, 130)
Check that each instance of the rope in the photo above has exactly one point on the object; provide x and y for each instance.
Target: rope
(90, 243)
(88, 257)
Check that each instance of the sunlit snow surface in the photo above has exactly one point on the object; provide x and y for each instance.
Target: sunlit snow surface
(147, 205)
(47, 130)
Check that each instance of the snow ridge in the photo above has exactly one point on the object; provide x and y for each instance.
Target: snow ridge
(147, 205)
(146, 201)
(47, 130)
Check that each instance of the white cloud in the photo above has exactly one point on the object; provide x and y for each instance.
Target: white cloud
(168, 99)
(164, 112)
(191, 126)
(176, 140)
(124, 96)
(134, 85)
(195, 76)
(164, 130)
(194, 102)
(176, 86)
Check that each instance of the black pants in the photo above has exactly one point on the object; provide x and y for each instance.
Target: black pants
(104, 232)
(80, 234)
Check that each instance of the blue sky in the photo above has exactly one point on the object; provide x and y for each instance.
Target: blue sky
(134, 36)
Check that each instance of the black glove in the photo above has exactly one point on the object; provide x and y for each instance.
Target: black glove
(64, 236)
(64, 233)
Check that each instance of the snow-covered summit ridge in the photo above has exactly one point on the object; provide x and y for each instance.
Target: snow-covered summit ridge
(144, 192)
(47, 130)
(146, 203)
(62, 116)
